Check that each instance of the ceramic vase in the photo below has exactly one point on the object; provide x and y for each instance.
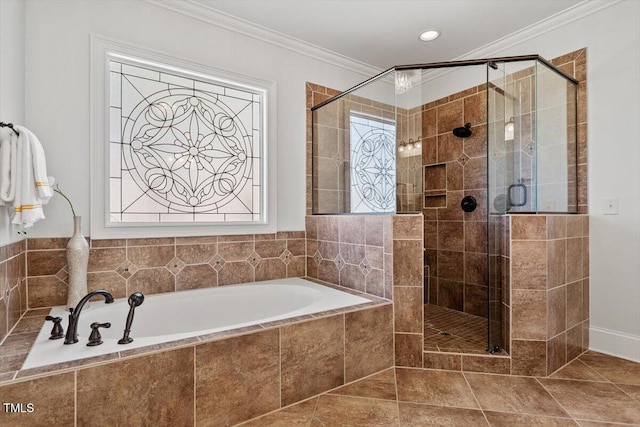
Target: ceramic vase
(77, 262)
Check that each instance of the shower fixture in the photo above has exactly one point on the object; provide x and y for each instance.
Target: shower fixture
(463, 131)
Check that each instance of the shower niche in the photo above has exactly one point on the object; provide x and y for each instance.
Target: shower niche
(466, 144)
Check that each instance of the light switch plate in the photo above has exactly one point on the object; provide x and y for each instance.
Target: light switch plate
(610, 206)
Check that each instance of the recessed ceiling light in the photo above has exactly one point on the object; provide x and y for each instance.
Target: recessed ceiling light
(429, 35)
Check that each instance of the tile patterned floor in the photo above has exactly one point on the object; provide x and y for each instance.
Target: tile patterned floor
(450, 330)
(593, 391)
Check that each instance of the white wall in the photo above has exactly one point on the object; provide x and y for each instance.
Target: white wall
(57, 94)
(12, 22)
(612, 38)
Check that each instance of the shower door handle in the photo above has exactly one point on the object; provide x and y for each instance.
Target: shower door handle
(524, 195)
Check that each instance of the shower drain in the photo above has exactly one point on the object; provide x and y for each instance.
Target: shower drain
(445, 333)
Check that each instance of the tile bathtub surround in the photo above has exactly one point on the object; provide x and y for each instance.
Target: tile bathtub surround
(208, 382)
(13, 290)
(123, 266)
(352, 251)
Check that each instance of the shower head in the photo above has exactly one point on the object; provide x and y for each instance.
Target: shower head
(463, 131)
(136, 299)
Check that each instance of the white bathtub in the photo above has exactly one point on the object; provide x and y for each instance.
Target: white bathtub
(177, 315)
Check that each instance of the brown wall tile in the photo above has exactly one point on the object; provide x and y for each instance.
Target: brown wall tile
(195, 277)
(312, 358)
(557, 264)
(529, 227)
(45, 263)
(557, 226)
(196, 253)
(151, 281)
(407, 265)
(407, 227)
(556, 353)
(270, 268)
(451, 235)
(46, 291)
(235, 251)
(52, 398)
(235, 272)
(408, 350)
(109, 281)
(106, 259)
(529, 358)
(451, 294)
(529, 264)
(488, 364)
(270, 248)
(529, 314)
(225, 394)
(374, 226)
(150, 256)
(368, 342)
(451, 265)
(167, 399)
(574, 304)
(574, 260)
(408, 309)
(352, 277)
(352, 229)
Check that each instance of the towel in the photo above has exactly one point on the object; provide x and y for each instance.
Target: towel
(24, 185)
(8, 144)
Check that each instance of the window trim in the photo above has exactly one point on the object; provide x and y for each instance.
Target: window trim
(102, 50)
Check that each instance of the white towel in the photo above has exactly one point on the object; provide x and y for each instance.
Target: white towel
(8, 159)
(29, 183)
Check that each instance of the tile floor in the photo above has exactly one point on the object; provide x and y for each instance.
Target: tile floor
(450, 330)
(593, 391)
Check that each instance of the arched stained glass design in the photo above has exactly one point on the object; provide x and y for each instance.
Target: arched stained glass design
(183, 148)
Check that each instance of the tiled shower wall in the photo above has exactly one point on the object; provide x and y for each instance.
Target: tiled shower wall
(455, 241)
(13, 286)
(123, 266)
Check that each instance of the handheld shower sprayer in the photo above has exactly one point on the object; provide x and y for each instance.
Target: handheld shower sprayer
(135, 299)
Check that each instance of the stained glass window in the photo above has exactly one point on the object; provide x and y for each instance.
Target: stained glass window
(373, 164)
(184, 148)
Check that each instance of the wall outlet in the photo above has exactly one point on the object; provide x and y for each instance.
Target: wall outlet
(610, 206)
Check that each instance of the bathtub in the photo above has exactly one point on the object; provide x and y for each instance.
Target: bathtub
(173, 316)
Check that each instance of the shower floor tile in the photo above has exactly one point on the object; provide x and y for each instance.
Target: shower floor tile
(450, 330)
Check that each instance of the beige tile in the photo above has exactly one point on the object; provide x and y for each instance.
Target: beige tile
(378, 386)
(408, 350)
(440, 388)
(312, 358)
(52, 398)
(502, 419)
(593, 400)
(513, 394)
(368, 346)
(167, 399)
(613, 368)
(225, 393)
(333, 410)
(417, 415)
(299, 414)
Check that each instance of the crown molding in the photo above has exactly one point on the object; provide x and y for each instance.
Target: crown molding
(560, 19)
(229, 22)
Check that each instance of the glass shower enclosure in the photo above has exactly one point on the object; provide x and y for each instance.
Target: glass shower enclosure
(465, 143)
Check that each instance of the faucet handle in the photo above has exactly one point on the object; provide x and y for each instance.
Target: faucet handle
(95, 338)
(57, 332)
